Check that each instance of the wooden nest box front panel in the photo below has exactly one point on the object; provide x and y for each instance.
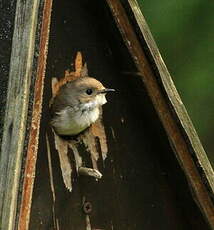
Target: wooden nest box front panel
(141, 165)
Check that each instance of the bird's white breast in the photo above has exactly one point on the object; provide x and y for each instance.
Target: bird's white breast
(72, 121)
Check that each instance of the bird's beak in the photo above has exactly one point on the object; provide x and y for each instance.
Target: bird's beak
(106, 90)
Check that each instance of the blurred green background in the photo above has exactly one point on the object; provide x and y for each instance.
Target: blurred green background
(184, 33)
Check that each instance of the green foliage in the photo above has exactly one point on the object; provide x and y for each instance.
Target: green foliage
(184, 33)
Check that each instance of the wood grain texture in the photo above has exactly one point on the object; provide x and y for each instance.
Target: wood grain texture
(166, 101)
(16, 109)
(174, 98)
(89, 137)
(143, 186)
(110, 197)
(30, 163)
(7, 16)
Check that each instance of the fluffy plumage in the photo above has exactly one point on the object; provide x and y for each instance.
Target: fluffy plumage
(77, 105)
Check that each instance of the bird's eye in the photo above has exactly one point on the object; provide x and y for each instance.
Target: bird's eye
(89, 91)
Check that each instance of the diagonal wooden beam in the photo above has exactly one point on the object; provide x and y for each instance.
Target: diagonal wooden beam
(166, 101)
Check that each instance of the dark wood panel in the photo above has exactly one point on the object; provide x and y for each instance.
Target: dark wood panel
(143, 186)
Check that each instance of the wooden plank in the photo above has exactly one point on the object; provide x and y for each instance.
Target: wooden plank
(163, 105)
(7, 16)
(20, 75)
(142, 186)
(31, 157)
(173, 98)
(99, 217)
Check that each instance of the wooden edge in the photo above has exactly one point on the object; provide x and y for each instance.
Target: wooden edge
(12, 149)
(78, 64)
(163, 108)
(174, 98)
(31, 158)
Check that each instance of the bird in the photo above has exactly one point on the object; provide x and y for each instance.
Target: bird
(77, 105)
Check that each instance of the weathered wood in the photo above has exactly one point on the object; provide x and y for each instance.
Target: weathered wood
(174, 100)
(143, 186)
(30, 162)
(95, 134)
(7, 16)
(183, 143)
(20, 75)
(131, 165)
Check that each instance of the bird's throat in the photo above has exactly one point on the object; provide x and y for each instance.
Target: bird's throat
(74, 121)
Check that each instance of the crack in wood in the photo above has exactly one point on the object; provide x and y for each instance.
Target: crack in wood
(94, 138)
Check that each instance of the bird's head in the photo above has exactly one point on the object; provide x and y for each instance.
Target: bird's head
(89, 90)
